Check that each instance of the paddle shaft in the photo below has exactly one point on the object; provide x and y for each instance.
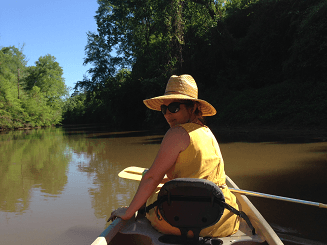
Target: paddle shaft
(287, 199)
(135, 173)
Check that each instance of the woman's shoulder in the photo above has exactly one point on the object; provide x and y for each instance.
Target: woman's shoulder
(177, 135)
(177, 130)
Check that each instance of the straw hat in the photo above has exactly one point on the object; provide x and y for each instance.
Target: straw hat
(183, 88)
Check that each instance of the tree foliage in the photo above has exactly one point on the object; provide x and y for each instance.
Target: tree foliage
(232, 49)
(23, 102)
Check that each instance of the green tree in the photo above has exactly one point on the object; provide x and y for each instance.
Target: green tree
(23, 102)
(229, 47)
(47, 89)
(12, 72)
(307, 60)
(74, 108)
(147, 36)
(39, 113)
(13, 61)
(153, 39)
(47, 75)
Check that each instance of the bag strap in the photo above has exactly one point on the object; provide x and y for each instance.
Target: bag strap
(156, 203)
(240, 214)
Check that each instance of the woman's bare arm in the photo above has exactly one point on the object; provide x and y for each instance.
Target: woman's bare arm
(175, 141)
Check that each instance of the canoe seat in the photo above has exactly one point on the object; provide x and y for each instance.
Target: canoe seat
(190, 205)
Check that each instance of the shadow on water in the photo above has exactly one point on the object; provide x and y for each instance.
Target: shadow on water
(257, 135)
(321, 149)
(103, 132)
(294, 223)
(223, 134)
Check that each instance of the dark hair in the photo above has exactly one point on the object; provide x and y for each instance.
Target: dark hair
(197, 112)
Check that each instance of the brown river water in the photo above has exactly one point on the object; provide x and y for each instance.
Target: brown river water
(59, 185)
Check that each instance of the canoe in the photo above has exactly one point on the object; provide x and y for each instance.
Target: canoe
(138, 230)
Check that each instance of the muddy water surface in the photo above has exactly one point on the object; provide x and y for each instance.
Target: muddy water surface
(59, 185)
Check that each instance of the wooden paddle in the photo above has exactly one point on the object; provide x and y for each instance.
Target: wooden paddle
(135, 173)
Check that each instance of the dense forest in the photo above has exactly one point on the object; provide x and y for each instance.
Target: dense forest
(259, 62)
(30, 96)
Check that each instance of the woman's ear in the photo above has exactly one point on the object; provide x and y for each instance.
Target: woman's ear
(195, 107)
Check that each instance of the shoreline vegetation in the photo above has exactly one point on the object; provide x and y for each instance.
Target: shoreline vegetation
(313, 133)
(23, 128)
(30, 96)
(260, 63)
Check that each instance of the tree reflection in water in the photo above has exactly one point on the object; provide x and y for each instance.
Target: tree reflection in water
(31, 159)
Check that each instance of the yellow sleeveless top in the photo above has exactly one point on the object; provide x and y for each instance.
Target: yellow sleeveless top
(202, 159)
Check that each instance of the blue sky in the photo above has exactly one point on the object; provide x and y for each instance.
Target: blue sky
(56, 27)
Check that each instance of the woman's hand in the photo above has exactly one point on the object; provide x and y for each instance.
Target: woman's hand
(120, 212)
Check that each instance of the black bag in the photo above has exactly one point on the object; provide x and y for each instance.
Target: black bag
(192, 204)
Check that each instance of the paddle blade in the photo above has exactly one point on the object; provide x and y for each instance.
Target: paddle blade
(133, 173)
(322, 205)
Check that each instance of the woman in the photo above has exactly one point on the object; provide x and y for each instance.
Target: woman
(188, 150)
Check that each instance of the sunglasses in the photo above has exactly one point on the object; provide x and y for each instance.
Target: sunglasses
(172, 107)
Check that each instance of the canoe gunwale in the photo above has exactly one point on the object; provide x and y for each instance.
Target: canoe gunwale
(263, 229)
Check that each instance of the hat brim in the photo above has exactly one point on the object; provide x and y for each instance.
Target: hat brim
(155, 103)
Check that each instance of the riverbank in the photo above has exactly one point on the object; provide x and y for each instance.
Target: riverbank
(22, 128)
(229, 133)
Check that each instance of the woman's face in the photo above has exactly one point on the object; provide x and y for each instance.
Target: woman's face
(184, 114)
